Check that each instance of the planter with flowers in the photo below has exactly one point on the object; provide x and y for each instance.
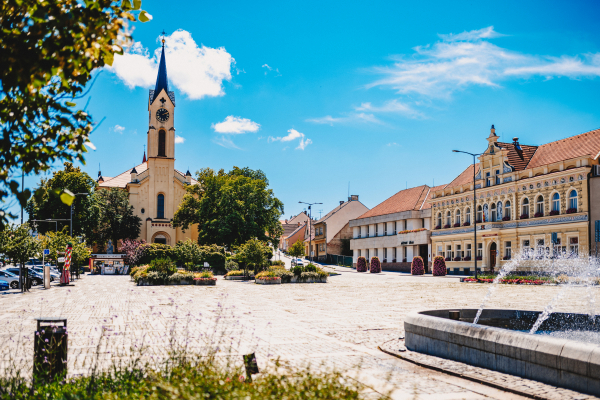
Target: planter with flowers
(447, 259)
(438, 227)
(417, 267)
(439, 266)
(478, 221)
(524, 216)
(506, 258)
(404, 260)
(479, 258)
(457, 225)
(446, 226)
(267, 278)
(467, 258)
(538, 215)
(361, 264)
(506, 218)
(571, 211)
(467, 224)
(554, 212)
(205, 278)
(393, 260)
(375, 265)
(457, 258)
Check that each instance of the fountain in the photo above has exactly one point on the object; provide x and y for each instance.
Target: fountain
(558, 348)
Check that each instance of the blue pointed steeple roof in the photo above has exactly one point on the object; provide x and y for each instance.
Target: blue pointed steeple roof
(161, 80)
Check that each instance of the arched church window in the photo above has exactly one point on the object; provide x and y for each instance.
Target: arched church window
(160, 206)
(161, 143)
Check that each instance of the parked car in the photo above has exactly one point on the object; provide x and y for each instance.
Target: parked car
(298, 262)
(40, 270)
(10, 278)
(4, 285)
(36, 279)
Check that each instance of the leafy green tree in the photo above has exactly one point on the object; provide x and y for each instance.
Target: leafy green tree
(19, 245)
(189, 253)
(57, 242)
(46, 202)
(231, 208)
(49, 51)
(297, 249)
(254, 253)
(116, 219)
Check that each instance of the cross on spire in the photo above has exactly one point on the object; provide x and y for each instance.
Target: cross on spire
(163, 33)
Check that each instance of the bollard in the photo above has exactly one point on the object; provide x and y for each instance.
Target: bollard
(50, 349)
(251, 366)
(454, 314)
(46, 277)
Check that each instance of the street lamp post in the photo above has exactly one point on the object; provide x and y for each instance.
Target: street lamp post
(309, 227)
(474, 207)
(71, 213)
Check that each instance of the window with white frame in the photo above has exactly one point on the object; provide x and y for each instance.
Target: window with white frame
(507, 209)
(395, 231)
(457, 217)
(359, 253)
(479, 214)
(526, 249)
(439, 219)
(376, 232)
(556, 202)
(385, 229)
(557, 247)
(376, 252)
(539, 248)
(468, 245)
(458, 251)
(488, 180)
(448, 218)
(525, 207)
(449, 253)
(507, 250)
(573, 245)
(480, 250)
(539, 206)
(573, 199)
(385, 253)
(367, 235)
(494, 214)
(468, 216)
(497, 177)
(440, 250)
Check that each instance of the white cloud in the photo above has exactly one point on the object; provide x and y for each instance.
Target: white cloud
(392, 144)
(392, 106)
(485, 33)
(468, 59)
(225, 141)
(179, 139)
(350, 118)
(270, 69)
(195, 70)
(118, 128)
(235, 125)
(292, 135)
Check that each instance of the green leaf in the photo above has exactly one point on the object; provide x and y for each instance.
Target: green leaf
(125, 5)
(109, 58)
(70, 104)
(137, 4)
(144, 16)
(67, 197)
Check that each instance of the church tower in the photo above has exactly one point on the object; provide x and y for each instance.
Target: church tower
(161, 144)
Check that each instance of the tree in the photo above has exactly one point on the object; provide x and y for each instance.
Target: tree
(297, 249)
(49, 51)
(57, 242)
(254, 253)
(116, 220)
(20, 246)
(231, 208)
(134, 251)
(46, 202)
(189, 253)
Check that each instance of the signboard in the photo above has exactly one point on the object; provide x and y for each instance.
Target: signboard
(206, 264)
(105, 256)
(61, 259)
(46, 252)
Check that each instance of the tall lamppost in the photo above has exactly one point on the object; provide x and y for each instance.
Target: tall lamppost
(71, 213)
(309, 227)
(474, 207)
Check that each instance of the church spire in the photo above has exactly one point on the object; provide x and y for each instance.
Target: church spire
(161, 80)
(144, 160)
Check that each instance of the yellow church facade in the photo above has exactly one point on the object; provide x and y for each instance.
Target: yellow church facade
(155, 187)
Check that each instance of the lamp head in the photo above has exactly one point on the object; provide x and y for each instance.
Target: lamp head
(455, 151)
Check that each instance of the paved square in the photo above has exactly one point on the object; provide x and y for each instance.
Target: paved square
(338, 324)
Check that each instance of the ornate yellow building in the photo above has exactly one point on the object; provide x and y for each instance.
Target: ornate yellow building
(532, 198)
(155, 187)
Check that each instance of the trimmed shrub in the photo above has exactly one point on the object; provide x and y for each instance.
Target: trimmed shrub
(375, 265)
(417, 267)
(231, 265)
(163, 266)
(310, 268)
(361, 264)
(439, 266)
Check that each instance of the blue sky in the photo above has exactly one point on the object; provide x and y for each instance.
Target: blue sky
(373, 94)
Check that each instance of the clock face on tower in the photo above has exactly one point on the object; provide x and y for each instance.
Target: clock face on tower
(162, 115)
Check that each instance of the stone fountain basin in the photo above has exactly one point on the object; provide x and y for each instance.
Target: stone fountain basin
(559, 362)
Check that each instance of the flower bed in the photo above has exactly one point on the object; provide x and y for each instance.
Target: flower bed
(514, 281)
(506, 218)
(268, 280)
(554, 212)
(375, 265)
(164, 272)
(446, 226)
(467, 224)
(457, 225)
(361, 264)
(439, 266)
(538, 215)
(238, 275)
(571, 211)
(417, 267)
(524, 216)
(205, 281)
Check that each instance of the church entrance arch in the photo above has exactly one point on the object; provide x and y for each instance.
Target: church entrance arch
(161, 237)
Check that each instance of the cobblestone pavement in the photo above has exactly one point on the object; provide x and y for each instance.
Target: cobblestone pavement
(334, 325)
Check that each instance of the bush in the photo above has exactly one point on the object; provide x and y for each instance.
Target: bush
(439, 266)
(308, 275)
(361, 264)
(297, 270)
(156, 251)
(163, 266)
(239, 272)
(310, 268)
(278, 262)
(417, 267)
(181, 276)
(266, 274)
(375, 265)
(204, 275)
(231, 265)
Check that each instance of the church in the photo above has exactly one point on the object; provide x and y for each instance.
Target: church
(155, 187)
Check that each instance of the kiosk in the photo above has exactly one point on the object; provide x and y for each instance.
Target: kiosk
(108, 264)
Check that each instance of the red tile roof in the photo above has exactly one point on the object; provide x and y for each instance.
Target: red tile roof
(405, 200)
(518, 159)
(465, 177)
(586, 144)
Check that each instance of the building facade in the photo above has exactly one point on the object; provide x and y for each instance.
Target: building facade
(155, 187)
(329, 232)
(396, 230)
(532, 199)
